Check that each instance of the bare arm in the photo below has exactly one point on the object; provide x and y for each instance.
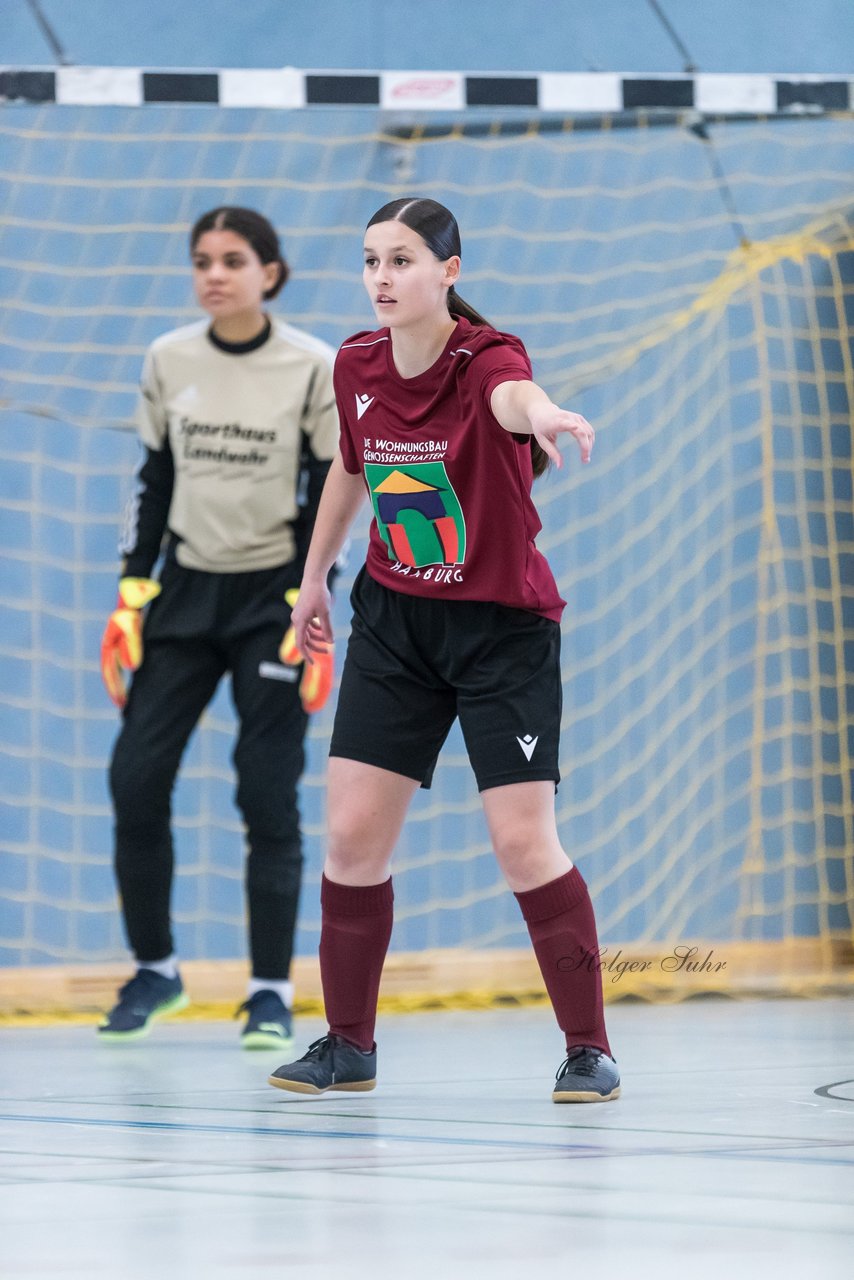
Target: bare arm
(343, 495)
(525, 409)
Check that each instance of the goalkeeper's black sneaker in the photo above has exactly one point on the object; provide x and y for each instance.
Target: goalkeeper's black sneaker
(587, 1075)
(331, 1063)
(147, 997)
(268, 1025)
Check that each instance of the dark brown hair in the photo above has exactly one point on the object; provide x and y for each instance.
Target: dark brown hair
(438, 228)
(253, 228)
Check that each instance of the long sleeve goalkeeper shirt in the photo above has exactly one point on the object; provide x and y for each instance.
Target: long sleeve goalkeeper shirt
(237, 440)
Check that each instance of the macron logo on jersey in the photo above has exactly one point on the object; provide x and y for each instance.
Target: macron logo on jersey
(363, 403)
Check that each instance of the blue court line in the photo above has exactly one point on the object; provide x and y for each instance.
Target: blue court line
(164, 1126)
(171, 1126)
(576, 1126)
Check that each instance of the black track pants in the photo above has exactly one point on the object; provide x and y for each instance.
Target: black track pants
(177, 679)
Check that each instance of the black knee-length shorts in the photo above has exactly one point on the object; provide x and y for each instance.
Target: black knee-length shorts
(414, 664)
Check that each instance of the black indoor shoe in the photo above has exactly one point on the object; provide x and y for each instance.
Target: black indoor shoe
(268, 1024)
(331, 1063)
(147, 997)
(587, 1075)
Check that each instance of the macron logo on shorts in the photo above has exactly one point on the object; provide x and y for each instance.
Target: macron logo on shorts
(528, 744)
(363, 403)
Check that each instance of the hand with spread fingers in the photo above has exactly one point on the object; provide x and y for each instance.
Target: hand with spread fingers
(551, 421)
(319, 668)
(121, 644)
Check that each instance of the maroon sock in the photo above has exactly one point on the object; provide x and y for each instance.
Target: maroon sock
(354, 937)
(560, 920)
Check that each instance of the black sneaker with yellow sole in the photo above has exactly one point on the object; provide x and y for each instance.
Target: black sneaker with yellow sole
(147, 997)
(268, 1022)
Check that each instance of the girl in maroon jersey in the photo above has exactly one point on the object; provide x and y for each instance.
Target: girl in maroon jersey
(455, 614)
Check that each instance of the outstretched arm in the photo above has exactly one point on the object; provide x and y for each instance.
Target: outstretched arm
(343, 495)
(525, 409)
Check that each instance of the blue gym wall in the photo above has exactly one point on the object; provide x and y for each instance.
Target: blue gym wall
(785, 36)
(81, 471)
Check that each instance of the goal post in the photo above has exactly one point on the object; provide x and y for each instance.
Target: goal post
(699, 314)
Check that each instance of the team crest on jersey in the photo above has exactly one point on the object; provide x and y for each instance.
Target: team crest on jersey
(418, 514)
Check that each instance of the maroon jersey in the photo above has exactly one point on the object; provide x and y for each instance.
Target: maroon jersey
(450, 488)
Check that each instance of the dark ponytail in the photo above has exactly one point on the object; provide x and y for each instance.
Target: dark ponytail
(459, 307)
(253, 228)
(438, 228)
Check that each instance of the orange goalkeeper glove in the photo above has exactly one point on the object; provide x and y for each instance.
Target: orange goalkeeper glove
(317, 676)
(121, 645)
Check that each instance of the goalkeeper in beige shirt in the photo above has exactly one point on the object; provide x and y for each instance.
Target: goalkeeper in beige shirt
(238, 425)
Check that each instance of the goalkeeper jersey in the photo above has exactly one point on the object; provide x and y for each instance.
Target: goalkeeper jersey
(234, 436)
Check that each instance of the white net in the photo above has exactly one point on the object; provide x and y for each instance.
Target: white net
(706, 553)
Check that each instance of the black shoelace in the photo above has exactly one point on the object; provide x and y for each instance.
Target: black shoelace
(319, 1050)
(581, 1062)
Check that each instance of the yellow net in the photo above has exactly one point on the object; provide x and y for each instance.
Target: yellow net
(707, 554)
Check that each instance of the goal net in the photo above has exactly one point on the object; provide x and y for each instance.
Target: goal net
(693, 297)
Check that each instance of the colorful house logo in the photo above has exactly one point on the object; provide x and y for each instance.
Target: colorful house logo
(418, 513)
